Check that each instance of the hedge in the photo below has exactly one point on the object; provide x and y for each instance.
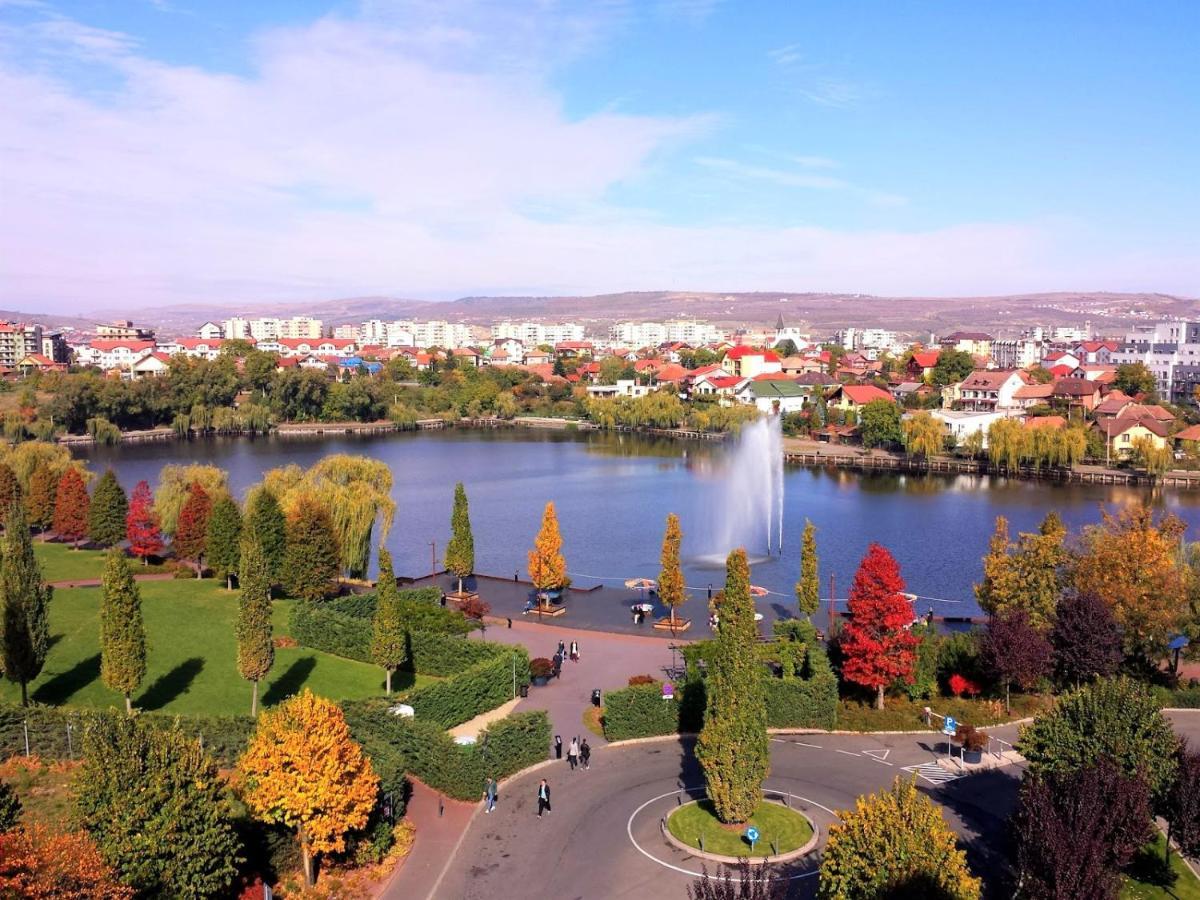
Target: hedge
(398, 745)
(475, 690)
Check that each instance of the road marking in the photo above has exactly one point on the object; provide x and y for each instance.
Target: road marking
(933, 773)
(883, 754)
(847, 752)
(814, 746)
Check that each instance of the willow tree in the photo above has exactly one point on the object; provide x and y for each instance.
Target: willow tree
(671, 589)
(547, 567)
(922, 434)
(175, 487)
(808, 588)
(460, 552)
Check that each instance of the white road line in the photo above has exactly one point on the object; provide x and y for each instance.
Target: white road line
(933, 773)
(847, 752)
(880, 755)
(802, 744)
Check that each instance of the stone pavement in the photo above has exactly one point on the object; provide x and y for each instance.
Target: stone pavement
(436, 842)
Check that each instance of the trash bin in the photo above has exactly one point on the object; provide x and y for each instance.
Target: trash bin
(596, 697)
(524, 690)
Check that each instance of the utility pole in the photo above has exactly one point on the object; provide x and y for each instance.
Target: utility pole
(831, 594)
(433, 557)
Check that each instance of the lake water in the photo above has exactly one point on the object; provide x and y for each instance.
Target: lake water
(613, 493)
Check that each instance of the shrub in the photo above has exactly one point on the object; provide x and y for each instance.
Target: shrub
(541, 667)
(963, 687)
(642, 679)
(473, 691)
(970, 737)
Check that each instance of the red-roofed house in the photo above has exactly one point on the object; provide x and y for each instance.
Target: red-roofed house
(988, 390)
(564, 349)
(36, 362)
(920, 367)
(152, 365)
(716, 384)
(1061, 358)
(1120, 433)
(320, 346)
(855, 396)
(114, 353)
(1096, 352)
(746, 362)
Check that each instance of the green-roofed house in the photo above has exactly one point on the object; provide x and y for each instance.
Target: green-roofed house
(775, 395)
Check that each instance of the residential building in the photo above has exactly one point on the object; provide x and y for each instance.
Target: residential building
(55, 348)
(852, 397)
(748, 362)
(534, 333)
(1077, 393)
(772, 395)
(1033, 395)
(962, 423)
(1121, 433)
(210, 331)
(986, 390)
(107, 354)
(921, 365)
(974, 342)
(437, 333)
(123, 331)
(151, 365)
(638, 334)
(18, 341)
(1016, 353)
(1095, 352)
(1171, 351)
(625, 387)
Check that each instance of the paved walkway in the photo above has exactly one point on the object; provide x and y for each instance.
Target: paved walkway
(96, 582)
(436, 843)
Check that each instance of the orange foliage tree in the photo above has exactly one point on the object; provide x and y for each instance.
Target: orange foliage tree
(303, 770)
(38, 863)
(547, 567)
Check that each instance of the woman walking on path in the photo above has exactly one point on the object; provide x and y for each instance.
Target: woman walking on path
(585, 753)
(557, 747)
(489, 794)
(574, 651)
(543, 797)
(573, 753)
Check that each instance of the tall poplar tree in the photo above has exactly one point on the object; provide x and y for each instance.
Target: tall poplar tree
(312, 560)
(671, 589)
(24, 601)
(122, 634)
(223, 539)
(265, 518)
(256, 650)
(71, 507)
(10, 490)
(733, 748)
(107, 511)
(547, 567)
(460, 552)
(808, 588)
(39, 503)
(387, 627)
(191, 528)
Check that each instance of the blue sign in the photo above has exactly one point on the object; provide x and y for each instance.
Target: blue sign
(752, 834)
(950, 725)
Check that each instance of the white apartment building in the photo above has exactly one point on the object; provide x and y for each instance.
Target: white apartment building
(1017, 353)
(447, 335)
(531, 334)
(693, 331)
(651, 334)
(272, 329)
(1171, 351)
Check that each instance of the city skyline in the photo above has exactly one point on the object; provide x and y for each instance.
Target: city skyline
(294, 152)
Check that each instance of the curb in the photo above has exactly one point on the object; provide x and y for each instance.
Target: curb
(734, 860)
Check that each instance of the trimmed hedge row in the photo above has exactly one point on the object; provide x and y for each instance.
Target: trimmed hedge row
(473, 691)
(399, 745)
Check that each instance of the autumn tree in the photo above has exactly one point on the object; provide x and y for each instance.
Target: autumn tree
(156, 807)
(175, 485)
(1015, 652)
(141, 524)
(71, 507)
(1007, 440)
(255, 647)
(1182, 808)
(311, 560)
(1074, 829)
(1131, 562)
(460, 552)
(672, 590)
(808, 588)
(223, 539)
(122, 634)
(107, 511)
(1027, 574)
(41, 863)
(732, 749)
(10, 490)
(894, 843)
(24, 604)
(1086, 640)
(265, 519)
(877, 648)
(923, 434)
(302, 770)
(547, 567)
(40, 498)
(191, 529)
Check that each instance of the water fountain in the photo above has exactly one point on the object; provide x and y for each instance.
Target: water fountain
(747, 509)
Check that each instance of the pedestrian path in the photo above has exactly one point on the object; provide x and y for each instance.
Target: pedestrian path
(440, 824)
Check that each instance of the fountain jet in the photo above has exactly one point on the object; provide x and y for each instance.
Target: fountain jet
(748, 506)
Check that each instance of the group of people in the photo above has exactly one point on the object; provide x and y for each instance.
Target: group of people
(579, 753)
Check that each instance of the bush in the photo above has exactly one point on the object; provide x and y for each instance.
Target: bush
(958, 654)
(641, 679)
(640, 711)
(476, 690)
(541, 667)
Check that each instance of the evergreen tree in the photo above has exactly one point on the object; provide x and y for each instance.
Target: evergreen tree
(141, 524)
(39, 504)
(877, 646)
(71, 507)
(223, 539)
(122, 635)
(460, 552)
(25, 601)
(107, 511)
(547, 567)
(388, 638)
(311, 562)
(10, 807)
(671, 588)
(10, 490)
(256, 649)
(265, 518)
(808, 588)
(733, 748)
(191, 530)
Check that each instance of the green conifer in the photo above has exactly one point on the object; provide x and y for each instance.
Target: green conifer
(25, 601)
(224, 538)
(808, 588)
(387, 629)
(264, 517)
(460, 552)
(311, 562)
(122, 634)
(107, 512)
(256, 649)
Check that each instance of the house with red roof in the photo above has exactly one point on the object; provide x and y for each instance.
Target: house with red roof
(572, 349)
(1096, 352)
(746, 362)
(113, 353)
(1061, 358)
(920, 366)
(1078, 393)
(716, 384)
(987, 390)
(152, 365)
(853, 397)
(1121, 433)
(326, 346)
(37, 362)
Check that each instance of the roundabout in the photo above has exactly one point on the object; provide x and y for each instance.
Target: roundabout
(775, 833)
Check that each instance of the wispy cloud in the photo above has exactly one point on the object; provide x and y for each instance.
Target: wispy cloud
(777, 176)
(786, 56)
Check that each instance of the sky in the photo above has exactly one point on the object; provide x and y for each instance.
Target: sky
(159, 152)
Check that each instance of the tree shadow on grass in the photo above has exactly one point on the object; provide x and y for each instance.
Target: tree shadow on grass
(61, 687)
(172, 684)
(290, 681)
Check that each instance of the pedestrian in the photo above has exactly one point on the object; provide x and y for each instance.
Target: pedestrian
(585, 754)
(557, 747)
(557, 671)
(573, 753)
(489, 794)
(562, 650)
(543, 797)
(515, 578)
(574, 651)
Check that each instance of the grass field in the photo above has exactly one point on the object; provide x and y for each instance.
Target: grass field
(1145, 879)
(789, 830)
(61, 563)
(191, 656)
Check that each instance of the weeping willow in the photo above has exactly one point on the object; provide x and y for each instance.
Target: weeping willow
(24, 458)
(356, 490)
(103, 431)
(174, 483)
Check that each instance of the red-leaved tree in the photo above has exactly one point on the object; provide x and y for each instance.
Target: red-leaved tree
(1015, 652)
(191, 533)
(141, 524)
(71, 507)
(877, 648)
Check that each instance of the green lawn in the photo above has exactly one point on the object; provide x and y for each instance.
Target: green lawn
(61, 563)
(1145, 879)
(788, 829)
(191, 656)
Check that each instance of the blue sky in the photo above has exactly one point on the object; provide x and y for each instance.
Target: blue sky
(176, 151)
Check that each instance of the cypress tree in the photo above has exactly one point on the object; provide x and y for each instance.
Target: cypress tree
(71, 507)
(10, 490)
(25, 601)
(39, 504)
(122, 635)
(311, 562)
(460, 552)
(733, 749)
(671, 589)
(264, 517)
(223, 539)
(387, 627)
(256, 650)
(808, 588)
(107, 511)
(191, 530)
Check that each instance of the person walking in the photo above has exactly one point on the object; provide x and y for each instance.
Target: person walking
(562, 650)
(573, 753)
(489, 794)
(574, 651)
(585, 754)
(558, 746)
(543, 797)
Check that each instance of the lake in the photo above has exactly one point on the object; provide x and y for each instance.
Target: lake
(613, 493)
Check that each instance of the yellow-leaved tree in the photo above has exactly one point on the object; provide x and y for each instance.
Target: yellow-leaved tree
(303, 770)
(547, 567)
